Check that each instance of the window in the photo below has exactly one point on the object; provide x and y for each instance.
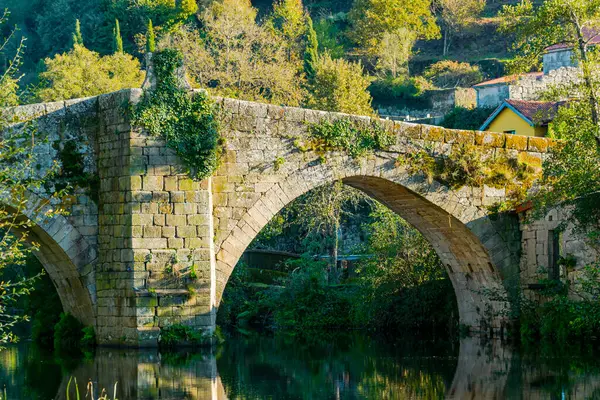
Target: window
(553, 254)
(513, 132)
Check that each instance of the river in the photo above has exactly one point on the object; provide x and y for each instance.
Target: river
(324, 366)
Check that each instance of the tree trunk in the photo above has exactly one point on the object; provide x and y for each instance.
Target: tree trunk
(587, 78)
(334, 274)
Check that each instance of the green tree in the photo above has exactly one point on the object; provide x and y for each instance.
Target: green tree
(150, 38)
(449, 74)
(394, 53)
(311, 51)
(82, 73)
(557, 21)
(19, 177)
(340, 86)
(456, 16)
(53, 21)
(77, 37)
(238, 58)
(288, 21)
(9, 78)
(371, 19)
(118, 38)
(188, 8)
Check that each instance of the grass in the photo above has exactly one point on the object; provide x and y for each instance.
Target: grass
(90, 391)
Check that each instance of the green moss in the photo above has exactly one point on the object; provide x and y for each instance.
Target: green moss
(188, 122)
(279, 161)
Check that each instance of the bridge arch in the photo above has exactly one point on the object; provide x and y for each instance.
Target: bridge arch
(458, 228)
(66, 256)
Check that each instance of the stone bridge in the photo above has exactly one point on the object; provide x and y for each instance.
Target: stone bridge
(149, 247)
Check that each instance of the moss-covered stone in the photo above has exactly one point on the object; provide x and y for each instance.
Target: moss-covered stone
(408, 130)
(432, 133)
(530, 158)
(490, 139)
(456, 136)
(516, 142)
(538, 144)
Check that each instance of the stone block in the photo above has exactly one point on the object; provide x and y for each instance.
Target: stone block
(149, 243)
(185, 208)
(456, 136)
(538, 144)
(176, 220)
(186, 231)
(490, 139)
(168, 231)
(516, 142)
(432, 133)
(152, 183)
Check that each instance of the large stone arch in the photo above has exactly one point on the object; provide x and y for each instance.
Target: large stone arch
(454, 221)
(67, 257)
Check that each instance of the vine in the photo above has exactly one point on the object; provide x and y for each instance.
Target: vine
(358, 139)
(188, 122)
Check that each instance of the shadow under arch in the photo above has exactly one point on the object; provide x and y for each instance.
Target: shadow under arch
(66, 256)
(439, 215)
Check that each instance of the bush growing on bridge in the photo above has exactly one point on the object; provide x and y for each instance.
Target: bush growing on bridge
(466, 166)
(186, 121)
(357, 139)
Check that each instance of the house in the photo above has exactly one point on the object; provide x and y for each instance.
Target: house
(493, 92)
(561, 55)
(519, 117)
(559, 67)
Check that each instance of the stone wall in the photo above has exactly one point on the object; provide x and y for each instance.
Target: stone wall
(492, 95)
(434, 105)
(557, 59)
(532, 88)
(539, 252)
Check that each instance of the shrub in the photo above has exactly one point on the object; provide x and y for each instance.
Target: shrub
(89, 337)
(339, 85)
(187, 122)
(178, 334)
(466, 118)
(402, 88)
(68, 333)
(81, 73)
(448, 74)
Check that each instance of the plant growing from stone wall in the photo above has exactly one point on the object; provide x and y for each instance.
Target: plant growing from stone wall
(188, 122)
(355, 138)
(467, 166)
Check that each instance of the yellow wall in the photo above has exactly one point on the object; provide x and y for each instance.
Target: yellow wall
(508, 120)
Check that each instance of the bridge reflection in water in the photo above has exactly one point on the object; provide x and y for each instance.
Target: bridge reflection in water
(362, 368)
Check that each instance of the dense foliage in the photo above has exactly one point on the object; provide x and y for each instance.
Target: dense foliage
(466, 118)
(451, 74)
(400, 284)
(82, 73)
(356, 138)
(187, 121)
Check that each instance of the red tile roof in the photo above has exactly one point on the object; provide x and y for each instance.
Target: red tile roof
(538, 112)
(591, 34)
(510, 78)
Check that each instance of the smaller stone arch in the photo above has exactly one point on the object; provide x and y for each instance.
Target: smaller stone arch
(67, 257)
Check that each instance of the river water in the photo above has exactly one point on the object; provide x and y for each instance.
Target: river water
(325, 366)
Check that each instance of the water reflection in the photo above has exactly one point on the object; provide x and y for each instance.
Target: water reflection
(336, 367)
